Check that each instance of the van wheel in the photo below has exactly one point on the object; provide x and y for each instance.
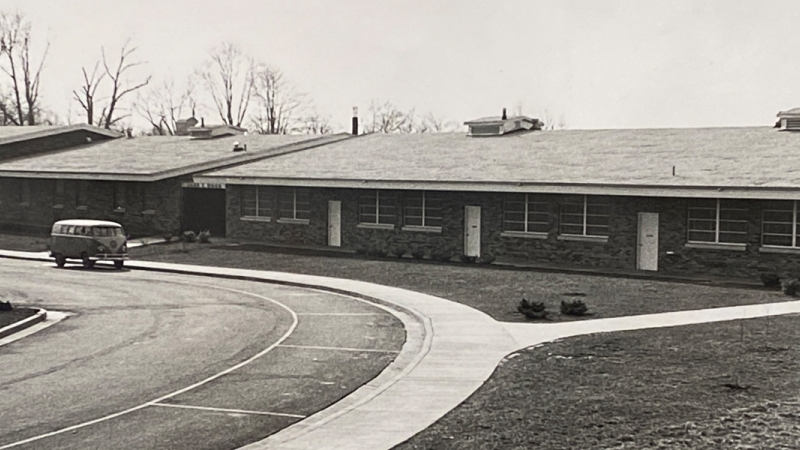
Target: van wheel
(60, 260)
(118, 264)
(87, 263)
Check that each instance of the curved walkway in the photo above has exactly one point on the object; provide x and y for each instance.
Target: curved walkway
(451, 350)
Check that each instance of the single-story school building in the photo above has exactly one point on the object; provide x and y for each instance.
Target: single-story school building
(682, 201)
(145, 183)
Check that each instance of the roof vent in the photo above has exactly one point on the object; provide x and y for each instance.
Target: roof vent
(237, 147)
(789, 120)
(497, 126)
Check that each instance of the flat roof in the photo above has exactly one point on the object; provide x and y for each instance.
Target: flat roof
(637, 162)
(151, 158)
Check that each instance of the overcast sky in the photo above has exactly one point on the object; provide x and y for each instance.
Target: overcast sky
(599, 64)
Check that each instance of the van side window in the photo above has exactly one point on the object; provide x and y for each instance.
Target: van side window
(71, 229)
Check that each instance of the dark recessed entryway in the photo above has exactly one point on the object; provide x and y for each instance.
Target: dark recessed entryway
(204, 209)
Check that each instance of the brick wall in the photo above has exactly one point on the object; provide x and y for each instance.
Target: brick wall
(32, 205)
(45, 144)
(619, 252)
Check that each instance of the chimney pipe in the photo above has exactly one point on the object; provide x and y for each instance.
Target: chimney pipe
(504, 114)
(202, 122)
(355, 121)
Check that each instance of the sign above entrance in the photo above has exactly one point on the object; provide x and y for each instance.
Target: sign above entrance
(188, 184)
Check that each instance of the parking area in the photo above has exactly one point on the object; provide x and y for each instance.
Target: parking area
(149, 360)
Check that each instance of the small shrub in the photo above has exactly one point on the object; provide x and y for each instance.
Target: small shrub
(532, 310)
(204, 237)
(418, 253)
(189, 236)
(486, 259)
(790, 286)
(398, 252)
(361, 250)
(5, 306)
(573, 307)
(441, 255)
(467, 259)
(771, 280)
(167, 237)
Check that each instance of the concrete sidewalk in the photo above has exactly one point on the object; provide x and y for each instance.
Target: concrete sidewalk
(450, 353)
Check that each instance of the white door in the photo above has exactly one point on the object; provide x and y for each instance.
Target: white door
(472, 231)
(647, 251)
(334, 223)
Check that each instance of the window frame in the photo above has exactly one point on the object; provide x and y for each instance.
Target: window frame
(380, 202)
(424, 208)
(717, 222)
(264, 193)
(528, 200)
(764, 222)
(584, 236)
(294, 213)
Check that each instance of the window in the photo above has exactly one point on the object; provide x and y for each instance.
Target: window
(294, 204)
(526, 213)
(717, 221)
(377, 208)
(779, 224)
(256, 201)
(422, 209)
(585, 215)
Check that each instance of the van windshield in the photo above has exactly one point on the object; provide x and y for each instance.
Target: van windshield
(108, 231)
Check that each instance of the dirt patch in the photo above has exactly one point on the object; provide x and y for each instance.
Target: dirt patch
(15, 315)
(495, 291)
(710, 386)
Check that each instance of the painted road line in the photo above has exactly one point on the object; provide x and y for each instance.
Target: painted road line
(341, 314)
(347, 349)
(225, 410)
(180, 391)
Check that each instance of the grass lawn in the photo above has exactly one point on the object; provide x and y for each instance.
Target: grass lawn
(495, 291)
(16, 314)
(23, 243)
(730, 385)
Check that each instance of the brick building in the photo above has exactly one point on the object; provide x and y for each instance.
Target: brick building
(144, 183)
(683, 201)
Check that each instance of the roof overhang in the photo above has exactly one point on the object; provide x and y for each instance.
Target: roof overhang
(221, 163)
(737, 192)
(60, 130)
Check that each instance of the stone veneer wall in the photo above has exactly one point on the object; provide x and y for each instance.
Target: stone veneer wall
(149, 208)
(619, 252)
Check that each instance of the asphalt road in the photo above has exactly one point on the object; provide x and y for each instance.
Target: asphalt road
(164, 361)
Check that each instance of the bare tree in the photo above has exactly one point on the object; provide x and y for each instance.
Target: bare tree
(164, 104)
(314, 123)
(278, 103)
(119, 84)
(20, 106)
(550, 122)
(386, 118)
(88, 92)
(433, 124)
(228, 77)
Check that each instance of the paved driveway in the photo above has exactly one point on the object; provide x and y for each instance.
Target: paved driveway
(149, 360)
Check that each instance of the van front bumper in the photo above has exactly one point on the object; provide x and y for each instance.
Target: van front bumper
(109, 257)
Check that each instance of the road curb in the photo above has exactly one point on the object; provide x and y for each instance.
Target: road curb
(15, 327)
